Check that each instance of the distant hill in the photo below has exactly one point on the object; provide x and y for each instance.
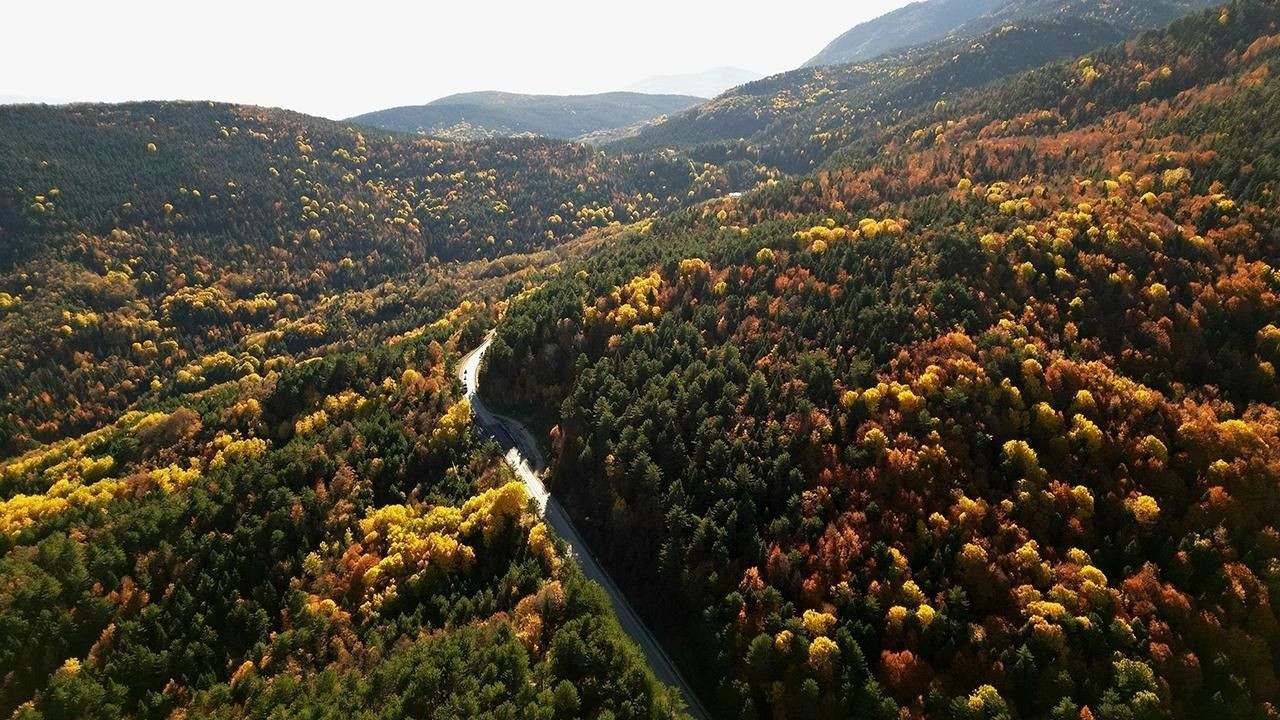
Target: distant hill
(190, 196)
(775, 412)
(708, 83)
(500, 114)
(917, 23)
(794, 121)
(933, 20)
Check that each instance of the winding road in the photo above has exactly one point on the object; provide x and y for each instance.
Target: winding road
(526, 460)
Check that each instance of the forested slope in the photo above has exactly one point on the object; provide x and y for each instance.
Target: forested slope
(162, 244)
(979, 421)
(479, 115)
(795, 120)
(916, 23)
(921, 23)
(327, 541)
(237, 476)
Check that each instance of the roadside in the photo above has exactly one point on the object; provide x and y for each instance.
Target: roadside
(524, 457)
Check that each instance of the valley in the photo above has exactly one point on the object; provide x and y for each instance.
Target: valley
(934, 379)
(524, 457)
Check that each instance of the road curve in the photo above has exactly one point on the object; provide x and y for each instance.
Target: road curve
(526, 460)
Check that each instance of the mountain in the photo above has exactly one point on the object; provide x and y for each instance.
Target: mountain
(497, 114)
(965, 408)
(977, 421)
(932, 20)
(157, 217)
(237, 474)
(793, 121)
(916, 24)
(705, 84)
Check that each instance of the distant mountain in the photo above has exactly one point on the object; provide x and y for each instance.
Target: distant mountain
(903, 370)
(917, 23)
(795, 120)
(499, 114)
(708, 83)
(933, 20)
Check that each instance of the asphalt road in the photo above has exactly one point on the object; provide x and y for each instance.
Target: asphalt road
(526, 460)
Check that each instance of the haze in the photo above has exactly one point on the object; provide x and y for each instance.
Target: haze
(338, 59)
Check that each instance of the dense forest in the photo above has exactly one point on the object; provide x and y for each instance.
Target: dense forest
(796, 120)
(480, 115)
(966, 408)
(920, 23)
(237, 475)
(978, 422)
(327, 542)
(161, 247)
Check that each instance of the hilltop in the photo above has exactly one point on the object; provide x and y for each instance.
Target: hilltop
(918, 23)
(479, 115)
(929, 21)
(977, 421)
(144, 237)
(794, 121)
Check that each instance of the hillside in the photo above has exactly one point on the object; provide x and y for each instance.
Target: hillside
(977, 422)
(480, 115)
(916, 24)
(793, 122)
(932, 20)
(965, 408)
(327, 537)
(138, 242)
(237, 475)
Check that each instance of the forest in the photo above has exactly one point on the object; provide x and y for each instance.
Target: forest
(237, 475)
(978, 421)
(328, 542)
(795, 121)
(940, 385)
(139, 241)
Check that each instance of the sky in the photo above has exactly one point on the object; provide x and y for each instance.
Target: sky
(338, 59)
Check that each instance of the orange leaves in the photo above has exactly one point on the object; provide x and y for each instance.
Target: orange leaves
(234, 451)
(540, 543)
(403, 546)
(633, 305)
(1022, 458)
(904, 674)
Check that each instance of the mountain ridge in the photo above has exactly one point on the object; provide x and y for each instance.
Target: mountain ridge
(931, 21)
(794, 121)
(487, 114)
(914, 24)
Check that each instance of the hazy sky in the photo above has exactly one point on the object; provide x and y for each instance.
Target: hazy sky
(337, 59)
